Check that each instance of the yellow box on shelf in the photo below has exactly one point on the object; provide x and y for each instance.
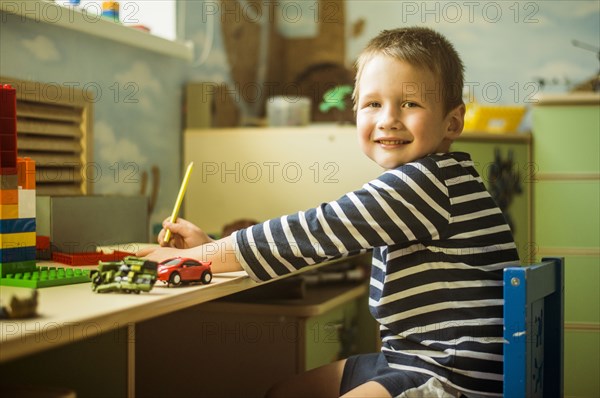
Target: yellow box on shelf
(493, 119)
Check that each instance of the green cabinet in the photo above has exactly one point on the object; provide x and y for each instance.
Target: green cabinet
(567, 224)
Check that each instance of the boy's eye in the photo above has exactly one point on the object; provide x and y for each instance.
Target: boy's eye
(374, 105)
(409, 104)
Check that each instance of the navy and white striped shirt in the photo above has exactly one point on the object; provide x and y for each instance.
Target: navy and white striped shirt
(439, 246)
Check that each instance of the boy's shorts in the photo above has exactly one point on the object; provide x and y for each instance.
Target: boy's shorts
(360, 369)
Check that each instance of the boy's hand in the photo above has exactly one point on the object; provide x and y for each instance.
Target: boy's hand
(159, 254)
(184, 234)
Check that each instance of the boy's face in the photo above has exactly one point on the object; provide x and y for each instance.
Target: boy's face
(400, 113)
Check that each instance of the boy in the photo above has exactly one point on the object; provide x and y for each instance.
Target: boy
(439, 241)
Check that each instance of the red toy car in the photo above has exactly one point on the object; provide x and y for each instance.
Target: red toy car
(175, 271)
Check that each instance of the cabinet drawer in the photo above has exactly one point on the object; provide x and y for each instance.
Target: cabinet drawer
(567, 213)
(582, 297)
(582, 363)
(566, 139)
(329, 335)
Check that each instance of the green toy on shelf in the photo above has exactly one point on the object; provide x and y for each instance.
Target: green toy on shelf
(335, 98)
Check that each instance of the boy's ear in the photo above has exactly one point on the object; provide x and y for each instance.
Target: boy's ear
(455, 122)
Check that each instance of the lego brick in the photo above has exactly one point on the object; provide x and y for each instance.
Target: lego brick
(8, 101)
(15, 240)
(17, 267)
(15, 254)
(9, 197)
(8, 147)
(7, 126)
(9, 181)
(42, 242)
(78, 224)
(14, 225)
(7, 171)
(43, 251)
(46, 277)
(91, 258)
(26, 173)
(8, 130)
(26, 203)
(9, 211)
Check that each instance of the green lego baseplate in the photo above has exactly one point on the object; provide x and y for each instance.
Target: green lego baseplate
(38, 277)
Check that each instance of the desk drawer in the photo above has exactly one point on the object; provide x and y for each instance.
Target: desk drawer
(331, 336)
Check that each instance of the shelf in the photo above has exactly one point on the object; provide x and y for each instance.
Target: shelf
(575, 98)
(480, 136)
(85, 22)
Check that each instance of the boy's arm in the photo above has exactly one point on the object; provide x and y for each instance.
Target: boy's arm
(220, 252)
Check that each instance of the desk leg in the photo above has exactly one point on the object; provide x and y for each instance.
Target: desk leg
(131, 360)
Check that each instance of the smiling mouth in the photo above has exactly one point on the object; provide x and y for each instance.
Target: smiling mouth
(392, 142)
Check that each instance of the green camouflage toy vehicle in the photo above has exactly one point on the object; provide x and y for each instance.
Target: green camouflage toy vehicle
(130, 275)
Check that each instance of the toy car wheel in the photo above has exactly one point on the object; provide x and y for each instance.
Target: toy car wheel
(175, 279)
(206, 277)
(98, 280)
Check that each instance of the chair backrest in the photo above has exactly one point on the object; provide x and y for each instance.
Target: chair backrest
(533, 329)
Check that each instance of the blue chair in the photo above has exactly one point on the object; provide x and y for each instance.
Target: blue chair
(533, 329)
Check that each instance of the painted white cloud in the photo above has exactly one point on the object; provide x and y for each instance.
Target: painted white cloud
(561, 69)
(42, 48)
(121, 160)
(113, 149)
(141, 77)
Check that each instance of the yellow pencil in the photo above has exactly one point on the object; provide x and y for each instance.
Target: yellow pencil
(180, 196)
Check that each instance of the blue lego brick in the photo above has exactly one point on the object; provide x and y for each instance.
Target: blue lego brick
(46, 277)
(15, 225)
(15, 254)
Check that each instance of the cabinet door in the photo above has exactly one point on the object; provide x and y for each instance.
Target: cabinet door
(270, 172)
(567, 224)
(483, 154)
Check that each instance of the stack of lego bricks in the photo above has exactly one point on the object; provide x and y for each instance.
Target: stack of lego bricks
(17, 210)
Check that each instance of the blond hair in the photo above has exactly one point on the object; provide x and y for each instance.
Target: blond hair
(420, 47)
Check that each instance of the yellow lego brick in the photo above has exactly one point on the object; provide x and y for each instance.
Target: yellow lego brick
(22, 239)
(9, 211)
(9, 197)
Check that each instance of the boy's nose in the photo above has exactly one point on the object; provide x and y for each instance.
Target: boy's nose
(389, 119)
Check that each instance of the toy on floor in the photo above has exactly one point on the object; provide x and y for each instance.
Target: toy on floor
(130, 275)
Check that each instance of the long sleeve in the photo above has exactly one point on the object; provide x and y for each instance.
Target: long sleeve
(403, 205)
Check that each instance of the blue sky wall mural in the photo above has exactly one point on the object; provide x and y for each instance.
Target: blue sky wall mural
(508, 47)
